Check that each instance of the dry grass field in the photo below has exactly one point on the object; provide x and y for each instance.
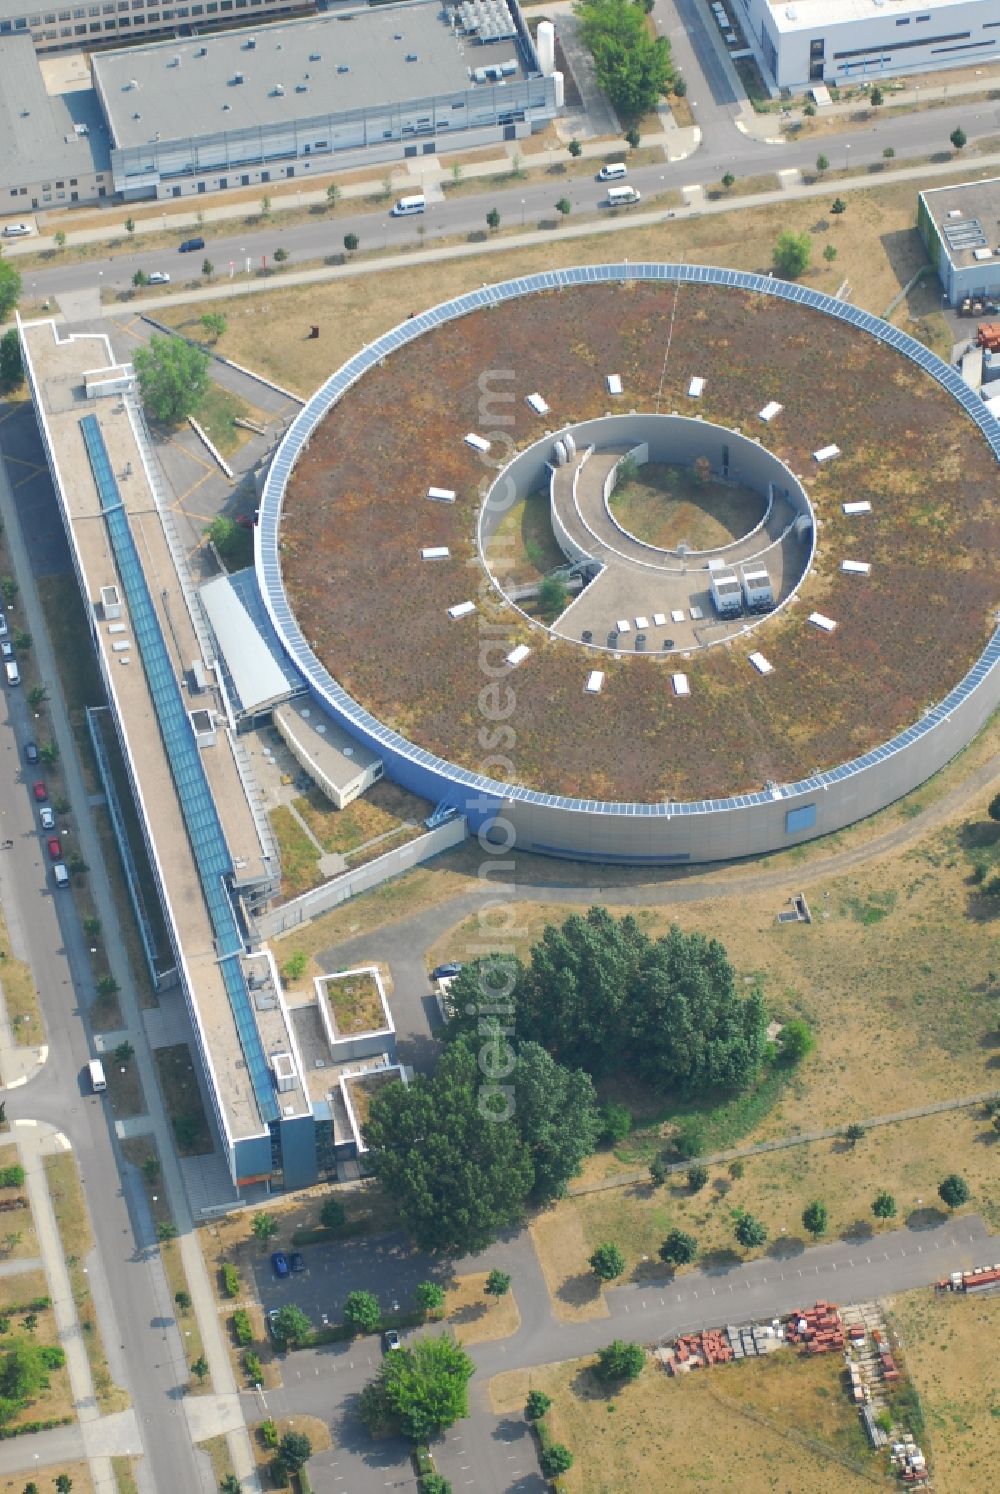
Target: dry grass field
(949, 1349)
(476, 1317)
(736, 1427)
(877, 245)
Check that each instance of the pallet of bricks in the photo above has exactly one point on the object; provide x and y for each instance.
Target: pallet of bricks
(889, 1371)
(697, 1350)
(818, 1329)
(909, 1462)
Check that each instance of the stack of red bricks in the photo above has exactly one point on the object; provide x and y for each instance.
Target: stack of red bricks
(889, 1370)
(818, 1329)
(696, 1349)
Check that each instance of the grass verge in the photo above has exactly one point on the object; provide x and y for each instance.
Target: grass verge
(182, 1098)
(77, 1240)
(20, 995)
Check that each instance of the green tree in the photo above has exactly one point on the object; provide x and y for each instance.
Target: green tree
(958, 138)
(430, 1296)
(838, 206)
(564, 206)
(173, 377)
(207, 269)
(265, 207)
(792, 253)
(351, 242)
(295, 966)
(59, 239)
(225, 535)
(213, 322)
(229, 1484)
(615, 1122)
(37, 697)
(151, 1169)
(291, 1326)
(63, 1483)
(107, 986)
(607, 1262)
(124, 1054)
(557, 1116)
(575, 148)
(200, 1368)
(31, 1487)
(264, 1227)
(816, 1217)
(183, 1301)
(954, 1190)
(992, 809)
(854, 1133)
(749, 1232)
(497, 1284)
(332, 195)
(876, 96)
(830, 253)
(620, 1361)
(167, 1230)
(421, 1388)
(434, 1483)
(552, 596)
(728, 180)
(362, 1311)
(11, 363)
(130, 226)
(822, 164)
(633, 138)
(454, 1174)
(633, 67)
(493, 219)
(294, 1450)
(888, 153)
(554, 1459)
(691, 1137)
(280, 255)
(139, 279)
(332, 1214)
(536, 1405)
(884, 1205)
(697, 1177)
(10, 289)
(678, 1249)
(795, 1040)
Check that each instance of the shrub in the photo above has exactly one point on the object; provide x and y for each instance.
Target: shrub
(269, 1433)
(252, 1367)
(536, 1405)
(242, 1327)
(697, 1177)
(12, 1177)
(230, 1279)
(362, 1311)
(620, 1361)
(690, 1138)
(555, 1459)
(616, 1123)
(279, 1474)
(332, 1214)
(607, 1262)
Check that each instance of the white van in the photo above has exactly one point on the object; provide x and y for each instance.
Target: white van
(97, 1079)
(622, 196)
(13, 674)
(407, 205)
(60, 874)
(614, 171)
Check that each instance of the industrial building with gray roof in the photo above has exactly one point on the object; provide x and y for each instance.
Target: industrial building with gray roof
(55, 146)
(223, 111)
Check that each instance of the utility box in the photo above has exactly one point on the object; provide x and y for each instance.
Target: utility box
(727, 594)
(111, 603)
(758, 593)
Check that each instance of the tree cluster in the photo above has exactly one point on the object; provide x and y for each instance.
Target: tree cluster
(173, 378)
(633, 68)
(420, 1390)
(598, 994)
(462, 1155)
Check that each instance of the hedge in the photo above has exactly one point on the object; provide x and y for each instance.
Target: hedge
(36, 1426)
(230, 1280)
(242, 1327)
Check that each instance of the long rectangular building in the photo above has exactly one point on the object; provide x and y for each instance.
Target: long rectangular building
(800, 43)
(186, 117)
(54, 28)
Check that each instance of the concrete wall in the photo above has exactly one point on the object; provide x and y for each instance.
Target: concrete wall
(321, 899)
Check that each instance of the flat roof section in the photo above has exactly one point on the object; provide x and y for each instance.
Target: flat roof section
(38, 129)
(816, 15)
(967, 217)
(340, 757)
(259, 681)
(291, 69)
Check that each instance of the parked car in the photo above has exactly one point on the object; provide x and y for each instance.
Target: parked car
(31, 753)
(390, 1340)
(272, 1321)
(6, 651)
(54, 847)
(297, 1261)
(158, 277)
(39, 790)
(279, 1264)
(3, 626)
(47, 817)
(191, 244)
(447, 971)
(16, 230)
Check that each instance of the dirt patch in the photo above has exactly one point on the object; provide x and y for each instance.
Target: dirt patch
(665, 505)
(477, 1318)
(124, 1086)
(732, 1427)
(949, 1350)
(562, 1250)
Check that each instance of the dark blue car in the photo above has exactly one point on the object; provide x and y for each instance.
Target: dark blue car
(279, 1263)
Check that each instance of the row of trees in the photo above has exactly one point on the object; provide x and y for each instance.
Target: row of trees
(598, 994)
(633, 66)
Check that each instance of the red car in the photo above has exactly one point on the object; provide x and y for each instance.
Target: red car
(55, 847)
(39, 790)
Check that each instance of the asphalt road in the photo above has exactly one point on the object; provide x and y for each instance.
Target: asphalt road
(520, 203)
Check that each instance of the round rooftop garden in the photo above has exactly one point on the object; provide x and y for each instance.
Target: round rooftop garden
(891, 605)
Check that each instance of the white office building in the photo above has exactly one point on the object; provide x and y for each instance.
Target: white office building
(801, 43)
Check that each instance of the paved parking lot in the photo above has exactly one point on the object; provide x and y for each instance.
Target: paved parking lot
(387, 1265)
